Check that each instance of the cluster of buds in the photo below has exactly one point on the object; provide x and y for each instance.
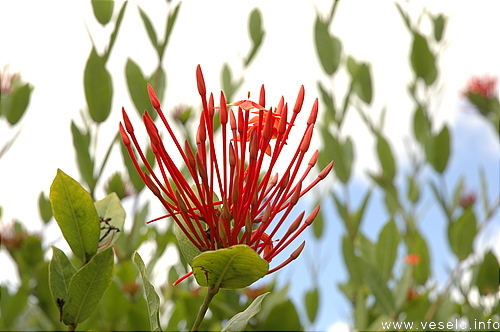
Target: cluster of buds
(232, 193)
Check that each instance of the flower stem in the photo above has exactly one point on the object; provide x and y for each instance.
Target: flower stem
(204, 307)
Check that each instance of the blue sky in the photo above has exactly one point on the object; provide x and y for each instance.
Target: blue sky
(52, 56)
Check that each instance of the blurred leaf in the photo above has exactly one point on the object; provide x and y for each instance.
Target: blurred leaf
(311, 302)
(103, 10)
(421, 125)
(437, 150)
(341, 152)
(98, 87)
(330, 113)
(256, 34)
(81, 143)
(351, 261)
(461, 234)
(423, 61)
(135, 178)
(110, 208)
(360, 312)
(13, 306)
(239, 321)
(413, 190)
(405, 17)
(172, 17)
(275, 320)
(358, 216)
(60, 273)
(14, 105)
(328, 47)
(152, 298)
(439, 22)
(234, 267)
(403, 285)
(137, 87)
(227, 83)
(344, 214)
(378, 286)
(44, 207)
(368, 249)
(76, 215)
(114, 34)
(387, 247)
(187, 248)
(386, 157)
(149, 28)
(116, 184)
(361, 82)
(159, 82)
(487, 279)
(458, 191)
(87, 286)
(417, 245)
(318, 225)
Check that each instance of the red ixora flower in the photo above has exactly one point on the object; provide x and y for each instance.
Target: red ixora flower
(232, 194)
(485, 86)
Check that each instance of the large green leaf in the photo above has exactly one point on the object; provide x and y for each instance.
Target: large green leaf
(329, 47)
(98, 87)
(235, 267)
(60, 273)
(112, 217)
(87, 286)
(76, 215)
(239, 321)
(387, 249)
(461, 234)
(423, 61)
(152, 298)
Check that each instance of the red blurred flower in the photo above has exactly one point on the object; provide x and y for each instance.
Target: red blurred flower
(467, 199)
(485, 86)
(253, 200)
(413, 259)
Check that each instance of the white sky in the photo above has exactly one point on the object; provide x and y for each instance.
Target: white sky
(47, 41)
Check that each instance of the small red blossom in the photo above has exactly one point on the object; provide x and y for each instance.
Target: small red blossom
(468, 199)
(413, 259)
(232, 193)
(484, 86)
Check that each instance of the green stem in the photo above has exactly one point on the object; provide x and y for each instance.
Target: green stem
(204, 307)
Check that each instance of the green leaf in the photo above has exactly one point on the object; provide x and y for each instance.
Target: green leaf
(417, 245)
(256, 34)
(330, 113)
(81, 143)
(311, 302)
(421, 125)
(403, 285)
(487, 279)
(461, 234)
(116, 184)
(405, 17)
(60, 273)
(361, 82)
(114, 34)
(239, 321)
(152, 298)
(76, 215)
(275, 320)
(423, 61)
(44, 207)
(328, 47)
(172, 17)
(110, 208)
(378, 286)
(351, 261)
(318, 226)
(386, 157)
(98, 87)
(188, 249)
(137, 86)
(87, 286)
(227, 82)
(158, 81)
(439, 22)
(413, 190)
(387, 246)
(103, 10)
(234, 267)
(135, 178)
(14, 105)
(149, 28)
(437, 150)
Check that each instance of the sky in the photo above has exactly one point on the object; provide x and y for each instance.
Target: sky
(48, 43)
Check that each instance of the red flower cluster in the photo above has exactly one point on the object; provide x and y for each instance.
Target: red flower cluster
(232, 194)
(485, 86)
